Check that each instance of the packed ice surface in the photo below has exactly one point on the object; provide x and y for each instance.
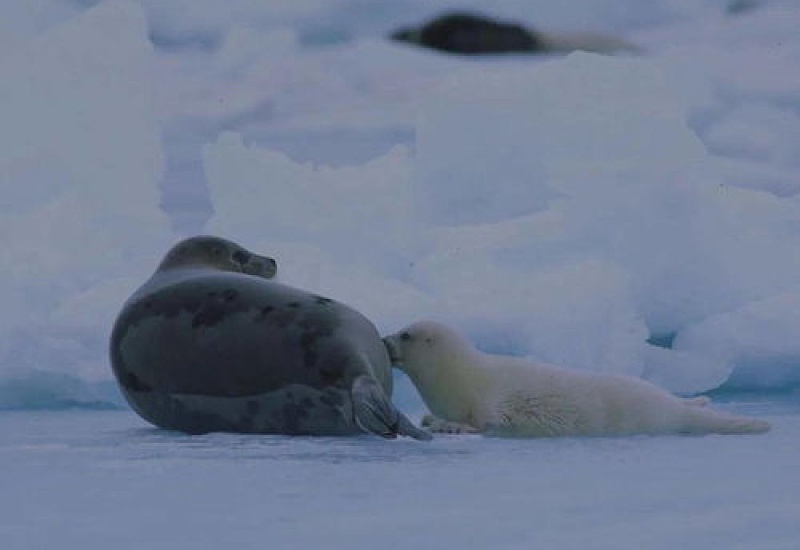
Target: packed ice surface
(572, 215)
(80, 161)
(623, 214)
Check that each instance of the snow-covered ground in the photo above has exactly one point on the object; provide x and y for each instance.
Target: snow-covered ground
(619, 214)
(104, 479)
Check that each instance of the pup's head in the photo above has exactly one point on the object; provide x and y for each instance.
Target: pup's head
(423, 345)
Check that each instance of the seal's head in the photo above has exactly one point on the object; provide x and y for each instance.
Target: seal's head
(469, 33)
(423, 345)
(217, 253)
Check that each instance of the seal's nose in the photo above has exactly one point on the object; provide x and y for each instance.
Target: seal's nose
(252, 264)
(270, 266)
(262, 266)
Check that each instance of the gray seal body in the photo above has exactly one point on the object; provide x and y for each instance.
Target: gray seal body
(202, 348)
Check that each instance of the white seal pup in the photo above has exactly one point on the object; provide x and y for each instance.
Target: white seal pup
(471, 391)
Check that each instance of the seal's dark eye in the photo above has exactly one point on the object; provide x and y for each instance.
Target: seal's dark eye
(241, 257)
(405, 337)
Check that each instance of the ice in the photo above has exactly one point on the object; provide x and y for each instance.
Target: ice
(754, 339)
(310, 216)
(587, 210)
(609, 208)
(758, 132)
(551, 313)
(548, 128)
(23, 19)
(80, 162)
(120, 483)
(654, 205)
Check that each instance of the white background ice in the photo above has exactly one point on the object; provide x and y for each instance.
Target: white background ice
(638, 215)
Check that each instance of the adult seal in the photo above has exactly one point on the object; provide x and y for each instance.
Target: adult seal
(210, 343)
(465, 33)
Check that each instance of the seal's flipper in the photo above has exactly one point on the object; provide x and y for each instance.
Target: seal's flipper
(439, 426)
(698, 401)
(374, 413)
(407, 428)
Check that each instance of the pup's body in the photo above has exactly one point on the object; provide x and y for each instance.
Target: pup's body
(470, 391)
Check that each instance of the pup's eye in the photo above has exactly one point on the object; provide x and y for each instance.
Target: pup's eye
(405, 337)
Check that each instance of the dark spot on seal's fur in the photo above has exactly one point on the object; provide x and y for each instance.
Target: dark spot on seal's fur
(332, 400)
(241, 257)
(262, 314)
(284, 317)
(230, 295)
(293, 305)
(133, 382)
(215, 308)
(293, 414)
(322, 301)
(307, 340)
(333, 369)
(247, 422)
(211, 314)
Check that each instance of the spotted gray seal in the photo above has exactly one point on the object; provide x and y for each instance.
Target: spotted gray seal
(210, 343)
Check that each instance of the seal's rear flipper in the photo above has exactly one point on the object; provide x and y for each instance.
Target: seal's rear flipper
(407, 428)
(375, 414)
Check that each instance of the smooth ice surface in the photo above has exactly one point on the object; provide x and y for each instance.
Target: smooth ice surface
(104, 479)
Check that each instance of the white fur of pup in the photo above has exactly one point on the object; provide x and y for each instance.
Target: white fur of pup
(471, 391)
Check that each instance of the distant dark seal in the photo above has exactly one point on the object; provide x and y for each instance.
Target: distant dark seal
(472, 34)
(467, 33)
(210, 344)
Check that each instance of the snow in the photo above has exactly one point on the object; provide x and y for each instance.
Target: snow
(94, 479)
(80, 162)
(633, 214)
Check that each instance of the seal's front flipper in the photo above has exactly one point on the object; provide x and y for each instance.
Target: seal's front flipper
(374, 413)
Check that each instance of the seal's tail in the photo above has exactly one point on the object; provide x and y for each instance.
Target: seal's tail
(375, 413)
